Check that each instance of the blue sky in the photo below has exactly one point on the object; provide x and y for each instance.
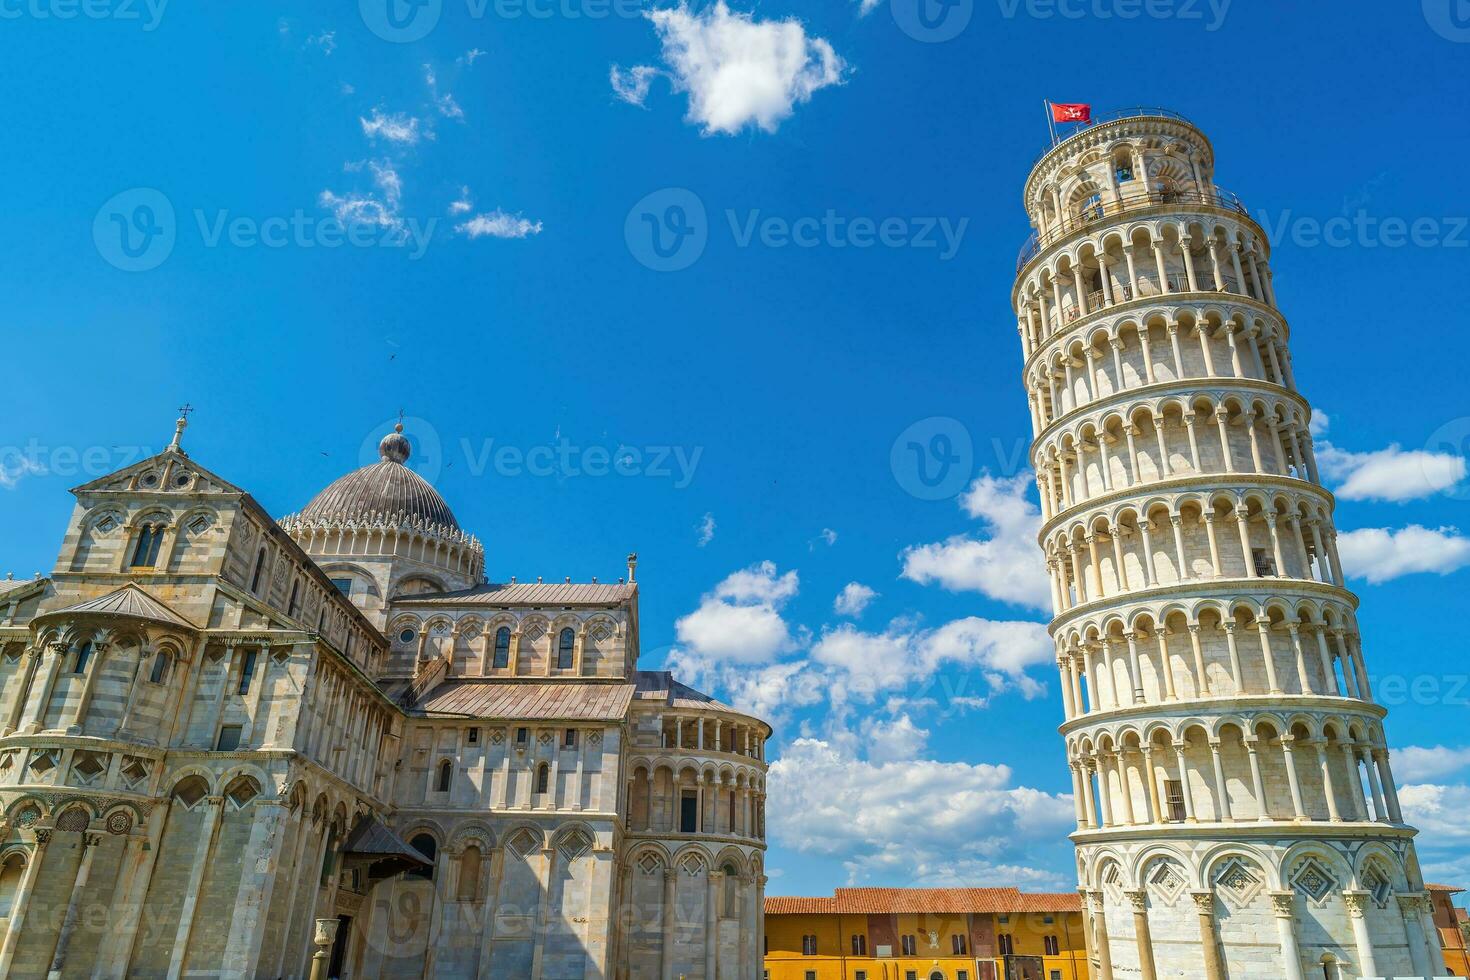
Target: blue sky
(751, 368)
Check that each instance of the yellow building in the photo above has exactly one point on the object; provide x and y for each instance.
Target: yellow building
(926, 934)
(1449, 922)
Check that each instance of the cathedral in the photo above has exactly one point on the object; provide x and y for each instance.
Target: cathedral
(327, 746)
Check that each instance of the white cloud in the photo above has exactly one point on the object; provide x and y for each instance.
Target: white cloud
(1438, 811)
(631, 85)
(866, 7)
(853, 599)
(1391, 474)
(366, 208)
(828, 536)
(395, 127)
(912, 821)
(1379, 553)
(737, 71)
(1007, 565)
(463, 204)
(1415, 762)
(706, 530)
(469, 57)
(1319, 424)
(741, 621)
(15, 467)
(863, 664)
(498, 224)
(898, 740)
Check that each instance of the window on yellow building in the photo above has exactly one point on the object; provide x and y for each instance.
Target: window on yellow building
(859, 945)
(1007, 946)
(1050, 946)
(957, 942)
(811, 975)
(1056, 975)
(910, 975)
(907, 945)
(860, 975)
(808, 945)
(962, 975)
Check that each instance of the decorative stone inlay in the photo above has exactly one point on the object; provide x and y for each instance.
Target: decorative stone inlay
(574, 845)
(28, 816)
(544, 738)
(1166, 880)
(1313, 880)
(523, 842)
(497, 736)
(534, 632)
(594, 738)
(648, 864)
(1238, 880)
(74, 820)
(119, 822)
(601, 632)
(1377, 885)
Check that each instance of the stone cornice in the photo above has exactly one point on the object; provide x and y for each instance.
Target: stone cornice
(1205, 708)
(1128, 603)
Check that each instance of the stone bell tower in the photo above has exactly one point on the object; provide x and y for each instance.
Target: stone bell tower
(1235, 803)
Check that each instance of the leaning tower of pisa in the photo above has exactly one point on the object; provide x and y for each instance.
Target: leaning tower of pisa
(1236, 810)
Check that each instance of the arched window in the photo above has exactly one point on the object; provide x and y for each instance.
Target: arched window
(425, 845)
(732, 892)
(502, 647)
(84, 653)
(259, 570)
(446, 773)
(161, 662)
(11, 871)
(1092, 208)
(469, 875)
(145, 552)
(565, 643)
(543, 778)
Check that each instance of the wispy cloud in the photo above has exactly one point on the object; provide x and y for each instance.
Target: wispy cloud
(462, 204)
(15, 467)
(379, 208)
(1391, 474)
(498, 224)
(706, 530)
(326, 41)
(632, 84)
(444, 102)
(395, 127)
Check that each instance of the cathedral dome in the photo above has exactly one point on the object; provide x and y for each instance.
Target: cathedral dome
(384, 491)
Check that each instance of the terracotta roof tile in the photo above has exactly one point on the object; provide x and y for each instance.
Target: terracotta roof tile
(898, 901)
(527, 594)
(1444, 888)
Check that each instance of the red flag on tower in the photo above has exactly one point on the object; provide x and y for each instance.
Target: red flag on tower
(1071, 112)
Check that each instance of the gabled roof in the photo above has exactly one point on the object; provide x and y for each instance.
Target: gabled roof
(526, 594)
(920, 901)
(124, 475)
(377, 844)
(555, 700)
(129, 601)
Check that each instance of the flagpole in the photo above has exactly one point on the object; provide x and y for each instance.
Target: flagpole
(1051, 124)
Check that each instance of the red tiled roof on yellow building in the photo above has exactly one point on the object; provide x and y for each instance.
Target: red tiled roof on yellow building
(1452, 889)
(893, 901)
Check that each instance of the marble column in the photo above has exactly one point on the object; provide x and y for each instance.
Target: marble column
(1204, 904)
(1139, 900)
(1283, 903)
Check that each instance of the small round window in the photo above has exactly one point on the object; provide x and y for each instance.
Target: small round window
(149, 480)
(406, 636)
